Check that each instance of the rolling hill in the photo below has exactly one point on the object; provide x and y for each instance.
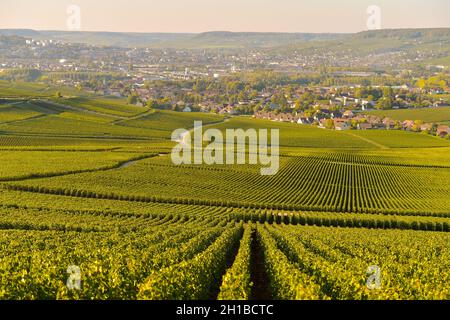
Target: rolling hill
(379, 39)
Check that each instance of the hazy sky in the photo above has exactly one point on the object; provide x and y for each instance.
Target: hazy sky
(230, 15)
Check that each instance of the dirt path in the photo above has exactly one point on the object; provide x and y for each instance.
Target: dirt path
(183, 139)
(260, 289)
(138, 116)
(368, 140)
(25, 120)
(83, 110)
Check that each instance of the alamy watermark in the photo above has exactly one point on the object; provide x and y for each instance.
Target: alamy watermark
(374, 278)
(73, 21)
(74, 279)
(374, 19)
(239, 146)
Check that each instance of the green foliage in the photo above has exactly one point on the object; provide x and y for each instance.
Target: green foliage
(356, 182)
(193, 279)
(236, 283)
(151, 230)
(132, 99)
(285, 280)
(337, 260)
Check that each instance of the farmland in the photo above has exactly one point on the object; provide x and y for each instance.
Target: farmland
(91, 184)
(437, 115)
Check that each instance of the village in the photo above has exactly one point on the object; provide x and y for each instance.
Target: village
(333, 90)
(349, 120)
(338, 108)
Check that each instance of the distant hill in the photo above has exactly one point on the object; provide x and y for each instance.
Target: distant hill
(256, 39)
(99, 38)
(395, 39)
(405, 34)
(379, 39)
(385, 41)
(174, 40)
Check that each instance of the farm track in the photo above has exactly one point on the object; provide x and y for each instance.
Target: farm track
(367, 140)
(80, 109)
(258, 274)
(25, 120)
(119, 165)
(72, 136)
(138, 116)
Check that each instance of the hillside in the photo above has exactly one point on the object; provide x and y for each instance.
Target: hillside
(380, 39)
(99, 38)
(89, 183)
(437, 115)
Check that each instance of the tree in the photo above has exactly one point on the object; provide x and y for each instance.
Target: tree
(308, 113)
(329, 124)
(242, 96)
(416, 126)
(132, 99)
(253, 94)
(387, 92)
(152, 104)
(421, 83)
(384, 103)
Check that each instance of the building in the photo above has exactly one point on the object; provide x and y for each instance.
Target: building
(342, 124)
(442, 131)
(388, 123)
(348, 114)
(407, 124)
(364, 126)
(426, 127)
(304, 120)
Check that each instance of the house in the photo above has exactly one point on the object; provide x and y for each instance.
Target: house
(205, 107)
(342, 124)
(335, 114)
(442, 131)
(304, 120)
(441, 104)
(228, 110)
(407, 124)
(426, 127)
(348, 114)
(322, 123)
(263, 115)
(273, 106)
(364, 126)
(388, 123)
(374, 120)
(367, 105)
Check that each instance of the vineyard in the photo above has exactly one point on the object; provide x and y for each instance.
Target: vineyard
(88, 192)
(327, 182)
(426, 114)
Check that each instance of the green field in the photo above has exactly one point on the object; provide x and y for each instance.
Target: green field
(34, 90)
(441, 114)
(399, 139)
(294, 135)
(90, 183)
(68, 118)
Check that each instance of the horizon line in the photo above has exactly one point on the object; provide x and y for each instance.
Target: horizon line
(221, 31)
